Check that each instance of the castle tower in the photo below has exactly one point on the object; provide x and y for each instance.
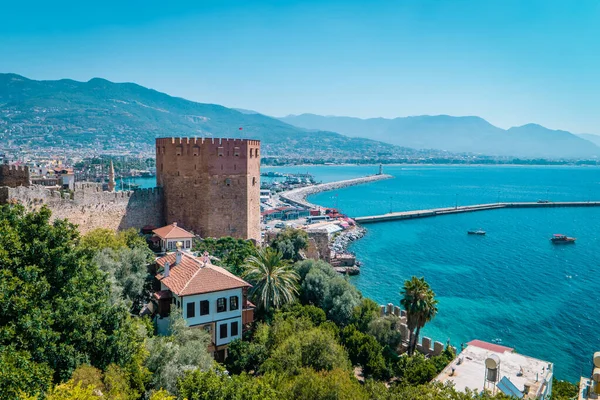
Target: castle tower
(111, 178)
(211, 186)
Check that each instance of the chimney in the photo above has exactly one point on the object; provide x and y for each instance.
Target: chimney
(179, 253)
(166, 270)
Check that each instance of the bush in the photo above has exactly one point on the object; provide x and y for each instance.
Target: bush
(385, 330)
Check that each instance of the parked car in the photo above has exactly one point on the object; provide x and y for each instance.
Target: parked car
(280, 225)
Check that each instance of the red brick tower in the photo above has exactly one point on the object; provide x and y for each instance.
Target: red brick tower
(211, 186)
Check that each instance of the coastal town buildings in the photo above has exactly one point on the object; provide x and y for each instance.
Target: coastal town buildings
(209, 297)
(211, 186)
(483, 366)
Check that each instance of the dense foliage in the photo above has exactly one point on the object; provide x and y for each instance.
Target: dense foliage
(65, 332)
(231, 252)
(56, 309)
(290, 242)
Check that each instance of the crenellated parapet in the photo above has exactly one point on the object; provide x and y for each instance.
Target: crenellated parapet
(90, 207)
(426, 346)
(14, 175)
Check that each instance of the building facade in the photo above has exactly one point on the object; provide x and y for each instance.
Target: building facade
(211, 186)
(209, 297)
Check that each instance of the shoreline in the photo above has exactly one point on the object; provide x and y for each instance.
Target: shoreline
(298, 196)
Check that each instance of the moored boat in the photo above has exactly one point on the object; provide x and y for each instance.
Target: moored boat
(559, 238)
(476, 232)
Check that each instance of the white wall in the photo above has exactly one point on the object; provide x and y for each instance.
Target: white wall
(213, 316)
(187, 244)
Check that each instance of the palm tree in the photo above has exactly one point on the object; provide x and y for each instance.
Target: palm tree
(274, 282)
(421, 307)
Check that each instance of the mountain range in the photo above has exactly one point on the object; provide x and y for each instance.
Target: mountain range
(102, 113)
(459, 134)
(99, 114)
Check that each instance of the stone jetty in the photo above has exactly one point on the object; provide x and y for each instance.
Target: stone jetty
(298, 196)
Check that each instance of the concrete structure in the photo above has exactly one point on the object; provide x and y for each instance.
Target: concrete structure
(209, 296)
(479, 207)
(170, 235)
(494, 368)
(211, 186)
(589, 386)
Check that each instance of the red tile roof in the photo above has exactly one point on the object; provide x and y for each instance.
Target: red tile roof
(490, 346)
(172, 232)
(193, 276)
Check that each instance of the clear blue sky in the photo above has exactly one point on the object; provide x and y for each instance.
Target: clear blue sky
(511, 62)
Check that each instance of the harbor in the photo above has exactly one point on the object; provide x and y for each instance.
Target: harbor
(394, 216)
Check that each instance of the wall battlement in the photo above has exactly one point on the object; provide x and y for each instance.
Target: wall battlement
(203, 141)
(14, 175)
(91, 208)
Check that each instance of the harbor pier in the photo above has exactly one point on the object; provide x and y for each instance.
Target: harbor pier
(394, 216)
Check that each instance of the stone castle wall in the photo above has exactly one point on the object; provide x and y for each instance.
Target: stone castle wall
(211, 186)
(14, 176)
(90, 207)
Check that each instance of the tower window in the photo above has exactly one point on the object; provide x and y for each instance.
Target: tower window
(251, 152)
(196, 150)
(253, 181)
(179, 150)
(220, 151)
(236, 151)
(228, 182)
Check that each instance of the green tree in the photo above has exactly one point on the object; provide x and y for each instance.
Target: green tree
(564, 390)
(290, 242)
(364, 350)
(127, 269)
(364, 313)
(171, 356)
(421, 307)
(324, 385)
(19, 374)
(316, 348)
(386, 331)
(231, 252)
(274, 281)
(57, 306)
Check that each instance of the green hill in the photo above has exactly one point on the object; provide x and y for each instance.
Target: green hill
(103, 115)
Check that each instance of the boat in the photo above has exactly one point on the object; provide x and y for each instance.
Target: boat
(476, 232)
(559, 238)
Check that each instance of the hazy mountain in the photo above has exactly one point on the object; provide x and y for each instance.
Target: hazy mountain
(101, 113)
(591, 138)
(456, 134)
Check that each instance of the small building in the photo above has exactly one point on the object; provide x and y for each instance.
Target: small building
(589, 386)
(483, 366)
(171, 234)
(210, 298)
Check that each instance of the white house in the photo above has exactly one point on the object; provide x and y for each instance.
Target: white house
(171, 234)
(210, 297)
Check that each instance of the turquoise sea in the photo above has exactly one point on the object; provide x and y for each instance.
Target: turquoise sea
(511, 286)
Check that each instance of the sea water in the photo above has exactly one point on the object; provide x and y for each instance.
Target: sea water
(511, 286)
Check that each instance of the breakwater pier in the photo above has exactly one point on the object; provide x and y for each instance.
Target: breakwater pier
(462, 209)
(298, 196)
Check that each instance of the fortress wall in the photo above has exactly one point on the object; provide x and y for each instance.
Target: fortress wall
(14, 176)
(90, 207)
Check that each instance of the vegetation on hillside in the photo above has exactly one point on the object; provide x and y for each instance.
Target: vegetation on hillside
(66, 331)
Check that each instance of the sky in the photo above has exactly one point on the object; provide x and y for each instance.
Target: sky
(510, 62)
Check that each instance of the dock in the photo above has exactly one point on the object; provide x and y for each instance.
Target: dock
(462, 209)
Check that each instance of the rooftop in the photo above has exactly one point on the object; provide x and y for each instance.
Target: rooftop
(468, 370)
(195, 275)
(172, 232)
